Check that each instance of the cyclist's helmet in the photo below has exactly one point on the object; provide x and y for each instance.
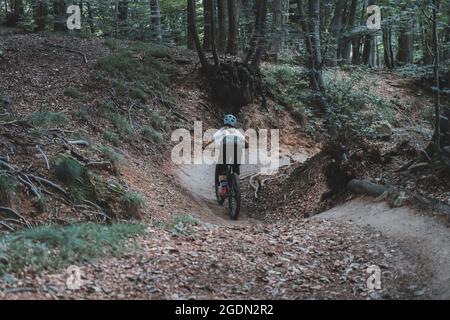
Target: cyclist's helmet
(230, 120)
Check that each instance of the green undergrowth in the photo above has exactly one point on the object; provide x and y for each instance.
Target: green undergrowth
(51, 247)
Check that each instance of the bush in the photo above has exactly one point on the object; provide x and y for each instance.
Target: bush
(134, 67)
(47, 119)
(153, 49)
(73, 92)
(289, 85)
(113, 155)
(111, 43)
(121, 123)
(138, 94)
(67, 169)
(5, 101)
(132, 203)
(51, 247)
(153, 135)
(81, 113)
(112, 137)
(355, 108)
(157, 121)
(8, 186)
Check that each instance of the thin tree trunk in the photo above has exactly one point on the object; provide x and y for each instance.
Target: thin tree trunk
(336, 30)
(207, 9)
(90, 17)
(305, 30)
(387, 48)
(213, 34)
(314, 27)
(262, 41)
(122, 17)
(437, 111)
(427, 49)
(232, 47)
(40, 13)
(156, 20)
(405, 53)
(193, 30)
(277, 13)
(59, 13)
(190, 35)
(357, 41)
(257, 42)
(222, 25)
(405, 46)
(347, 40)
(369, 52)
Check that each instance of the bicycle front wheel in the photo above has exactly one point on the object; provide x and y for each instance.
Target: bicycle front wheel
(234, 197)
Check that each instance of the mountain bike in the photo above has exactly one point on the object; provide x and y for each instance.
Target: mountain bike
(233, 190)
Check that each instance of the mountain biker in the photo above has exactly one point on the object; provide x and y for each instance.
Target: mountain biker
(230, 139)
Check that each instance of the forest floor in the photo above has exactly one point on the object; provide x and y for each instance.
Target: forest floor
(190, 248)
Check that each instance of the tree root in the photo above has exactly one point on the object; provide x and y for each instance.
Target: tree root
(13, 214)
(235, 85)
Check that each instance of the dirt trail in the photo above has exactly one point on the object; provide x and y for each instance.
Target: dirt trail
(423, 256)
(198, 179)
(426, 239)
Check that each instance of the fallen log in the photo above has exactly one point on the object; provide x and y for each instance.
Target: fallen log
(367, 188)
(364, 187)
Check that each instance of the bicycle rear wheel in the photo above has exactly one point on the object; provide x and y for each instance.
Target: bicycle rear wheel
(219, 199)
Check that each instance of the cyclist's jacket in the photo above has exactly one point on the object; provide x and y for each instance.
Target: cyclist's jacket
(231, 143)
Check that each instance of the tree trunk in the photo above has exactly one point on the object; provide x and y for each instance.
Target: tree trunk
(232, 47)
(59, 14)
(122, 17)
(190, 35)
(336, 30)
(426, 48)
(347, 40)
(357, 41)
(156, 20)
(207, 9)
(277, 12)
(405, 53)
(314, 27)
(213, 34)
(261, 32)
(16, 14)
(305, 30)
(90, 17)
(446, 55)
(369, 52)
(258, 40)
(40, 13)
(387, 46)
(437, 111)
(222, 25)
(193, 31)
(405, 47)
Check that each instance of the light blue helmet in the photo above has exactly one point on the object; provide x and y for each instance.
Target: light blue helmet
(230, 120)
